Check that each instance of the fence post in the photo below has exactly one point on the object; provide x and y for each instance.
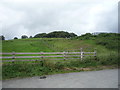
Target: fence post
(64, 55)
(95, 52)
(13, 57)
(42, 55)
(42, 63)
(81, 53)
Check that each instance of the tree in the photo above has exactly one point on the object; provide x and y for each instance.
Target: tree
(55, 34)
(58, 34)
(30, 37)
(73, 35)
(2, 37)
(15, 38)
(24, 36)
(41, 35)
(87, 36)
(104, 35)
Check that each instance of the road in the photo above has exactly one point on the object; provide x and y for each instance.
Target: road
(89, 79)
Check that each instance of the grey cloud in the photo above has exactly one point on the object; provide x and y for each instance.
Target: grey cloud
(109, 21)
(32, 18)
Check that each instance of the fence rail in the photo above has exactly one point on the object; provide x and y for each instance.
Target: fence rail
(41, 55)
(46, 53)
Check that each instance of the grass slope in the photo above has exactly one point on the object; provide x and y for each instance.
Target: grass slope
(49, 45)
(105, 57)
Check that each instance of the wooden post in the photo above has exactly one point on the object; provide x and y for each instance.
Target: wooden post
(81, 54)
(64, 55)
(13, 57)
(42, 63)
(42, 55)
(95, 52)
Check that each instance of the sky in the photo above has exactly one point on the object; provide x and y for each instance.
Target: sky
(30, 17)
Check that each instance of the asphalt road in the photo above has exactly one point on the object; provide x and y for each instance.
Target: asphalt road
(89, 79)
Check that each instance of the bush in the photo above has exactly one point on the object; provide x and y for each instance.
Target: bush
(24, 36)
(2, 37)
(15, 38)
(108, 59)
(59, 65)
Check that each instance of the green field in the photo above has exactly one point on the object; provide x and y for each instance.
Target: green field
(49, 45)
(105, 56)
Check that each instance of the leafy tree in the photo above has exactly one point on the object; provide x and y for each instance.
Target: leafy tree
(15, 38)
(55, 34)
(2, 37)
(60, 34)
(24, 36)
(41, 35)
(73, 35)
(30, 37)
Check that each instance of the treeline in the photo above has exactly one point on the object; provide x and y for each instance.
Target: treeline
(109, 40)
(55, 34)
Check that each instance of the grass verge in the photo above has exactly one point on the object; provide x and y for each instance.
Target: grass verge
(46, 68)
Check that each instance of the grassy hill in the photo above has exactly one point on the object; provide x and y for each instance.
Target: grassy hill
(49, 45)
(105, 56)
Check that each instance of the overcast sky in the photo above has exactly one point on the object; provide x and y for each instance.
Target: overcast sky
(30, 17)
